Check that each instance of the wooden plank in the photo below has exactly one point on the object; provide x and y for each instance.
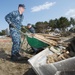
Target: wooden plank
(43, 39)
(53, 38)
(49, 35)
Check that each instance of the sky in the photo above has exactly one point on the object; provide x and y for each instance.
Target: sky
(37, 10)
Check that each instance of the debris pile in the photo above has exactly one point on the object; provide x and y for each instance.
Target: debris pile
(55, 58)
(60, 46)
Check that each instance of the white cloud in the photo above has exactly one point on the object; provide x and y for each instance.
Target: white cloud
(70, 13)
(44, 6)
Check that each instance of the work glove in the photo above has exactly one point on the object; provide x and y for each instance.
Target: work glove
(12, 25)
(22, 26)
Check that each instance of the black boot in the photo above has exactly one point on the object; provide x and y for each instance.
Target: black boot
(16, 57)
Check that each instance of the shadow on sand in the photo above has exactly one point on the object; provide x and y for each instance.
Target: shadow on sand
(5, 56)
(30, 72)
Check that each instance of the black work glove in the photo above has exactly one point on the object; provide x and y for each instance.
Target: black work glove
(22, 26)
(12, 25)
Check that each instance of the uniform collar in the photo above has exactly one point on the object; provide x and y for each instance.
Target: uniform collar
(19, 13)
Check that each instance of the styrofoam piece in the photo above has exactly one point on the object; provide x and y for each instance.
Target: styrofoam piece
(39, 65)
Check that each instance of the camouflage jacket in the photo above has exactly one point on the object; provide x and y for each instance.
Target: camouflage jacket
(32, 30)
(15, 18)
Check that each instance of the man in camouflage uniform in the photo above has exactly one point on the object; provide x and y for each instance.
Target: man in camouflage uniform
(32, 30)
(14, 20)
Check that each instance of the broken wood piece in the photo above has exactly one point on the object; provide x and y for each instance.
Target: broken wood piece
(53, 38)
(43, 39)
(54, 50)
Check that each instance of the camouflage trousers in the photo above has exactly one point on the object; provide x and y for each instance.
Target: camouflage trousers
(16, 39)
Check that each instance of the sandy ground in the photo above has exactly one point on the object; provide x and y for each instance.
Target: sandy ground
(7, 67)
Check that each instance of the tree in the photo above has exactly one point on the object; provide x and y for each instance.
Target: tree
(53, 23)
(63, 23)
(72, 21)
(3, 32)
(41, 27)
